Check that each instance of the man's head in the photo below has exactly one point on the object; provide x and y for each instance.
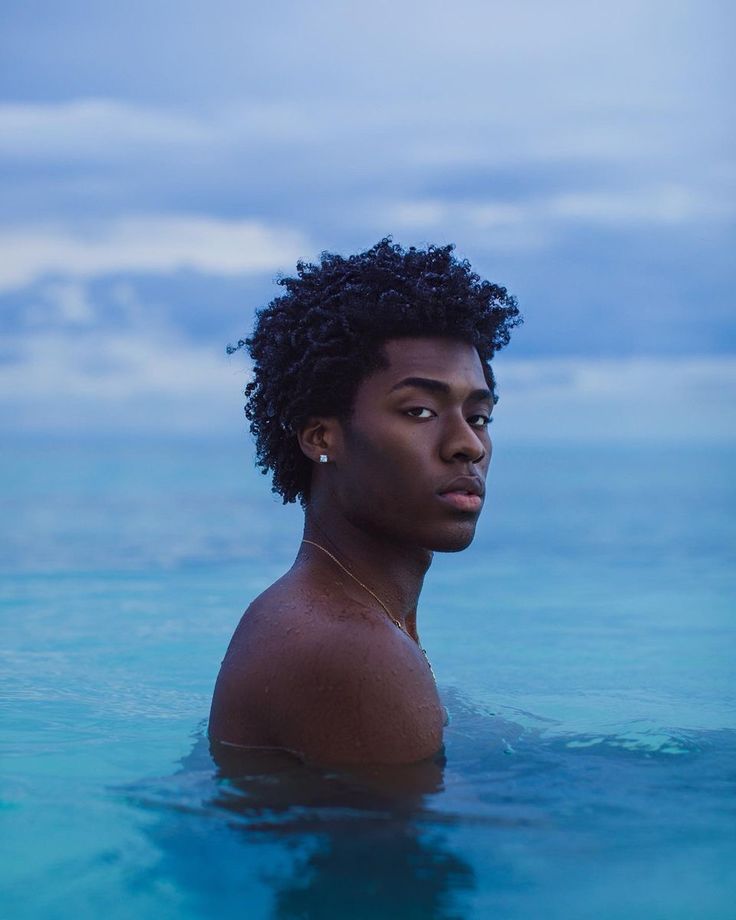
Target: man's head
(313, 346)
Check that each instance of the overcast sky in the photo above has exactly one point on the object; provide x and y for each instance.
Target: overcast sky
(163, 161)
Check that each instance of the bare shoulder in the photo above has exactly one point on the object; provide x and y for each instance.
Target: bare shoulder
(359, 691)
(335, 684)
(240, 711)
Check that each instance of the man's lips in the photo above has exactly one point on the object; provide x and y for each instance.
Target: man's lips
(462, 501)
(464, 493)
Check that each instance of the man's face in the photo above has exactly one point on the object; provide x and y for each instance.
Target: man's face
(417, 447)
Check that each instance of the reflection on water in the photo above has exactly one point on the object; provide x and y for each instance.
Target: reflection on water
(511, 807)
(359, 841)
(368, 847)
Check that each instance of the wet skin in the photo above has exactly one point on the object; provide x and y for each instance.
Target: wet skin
(316, 666)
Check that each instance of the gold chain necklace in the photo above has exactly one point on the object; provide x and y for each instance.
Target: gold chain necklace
(372, 594)
(365, 587)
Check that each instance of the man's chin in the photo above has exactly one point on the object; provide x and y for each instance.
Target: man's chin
(454, 541)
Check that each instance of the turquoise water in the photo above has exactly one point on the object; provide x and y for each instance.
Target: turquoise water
(584, 646)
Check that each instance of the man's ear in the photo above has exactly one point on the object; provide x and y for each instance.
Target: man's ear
(321, 437)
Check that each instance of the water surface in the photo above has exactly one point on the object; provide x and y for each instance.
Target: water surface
(584, 646)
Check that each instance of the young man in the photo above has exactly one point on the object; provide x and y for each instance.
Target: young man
(370, 402)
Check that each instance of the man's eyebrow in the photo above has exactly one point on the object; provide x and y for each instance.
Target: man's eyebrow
(437, 386)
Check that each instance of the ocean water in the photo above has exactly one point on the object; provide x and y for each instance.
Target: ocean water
(584, 646)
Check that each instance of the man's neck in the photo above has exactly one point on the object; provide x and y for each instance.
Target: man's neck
(394, 572)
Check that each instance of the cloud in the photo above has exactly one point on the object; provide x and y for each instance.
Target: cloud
(151, 243)
(434, 164)
(658, 205)
(586, 167)
(637, 398)
(429, 132)
(89, 128)
(141, 375)
(145, 381)
(64, 303)
(109, 130)
(148, 379)
(530, 223)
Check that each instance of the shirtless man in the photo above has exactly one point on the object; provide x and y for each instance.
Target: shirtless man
(370, 403)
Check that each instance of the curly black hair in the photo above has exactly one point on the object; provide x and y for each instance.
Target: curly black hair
(312, 346)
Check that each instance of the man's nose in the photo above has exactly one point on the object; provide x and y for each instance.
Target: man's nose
(463, 442)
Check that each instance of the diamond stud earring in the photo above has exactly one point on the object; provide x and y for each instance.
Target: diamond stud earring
(323, 458)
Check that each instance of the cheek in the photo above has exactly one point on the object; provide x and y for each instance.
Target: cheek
(388, 490)
(384, 478)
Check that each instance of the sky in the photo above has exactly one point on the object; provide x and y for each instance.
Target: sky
(162, 162)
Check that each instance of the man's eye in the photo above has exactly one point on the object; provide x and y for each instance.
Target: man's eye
(480, 421)
(420, 412)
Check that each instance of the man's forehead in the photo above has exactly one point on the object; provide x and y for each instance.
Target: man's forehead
(433, 357)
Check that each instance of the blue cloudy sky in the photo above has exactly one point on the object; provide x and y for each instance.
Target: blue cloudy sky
(163, 161)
